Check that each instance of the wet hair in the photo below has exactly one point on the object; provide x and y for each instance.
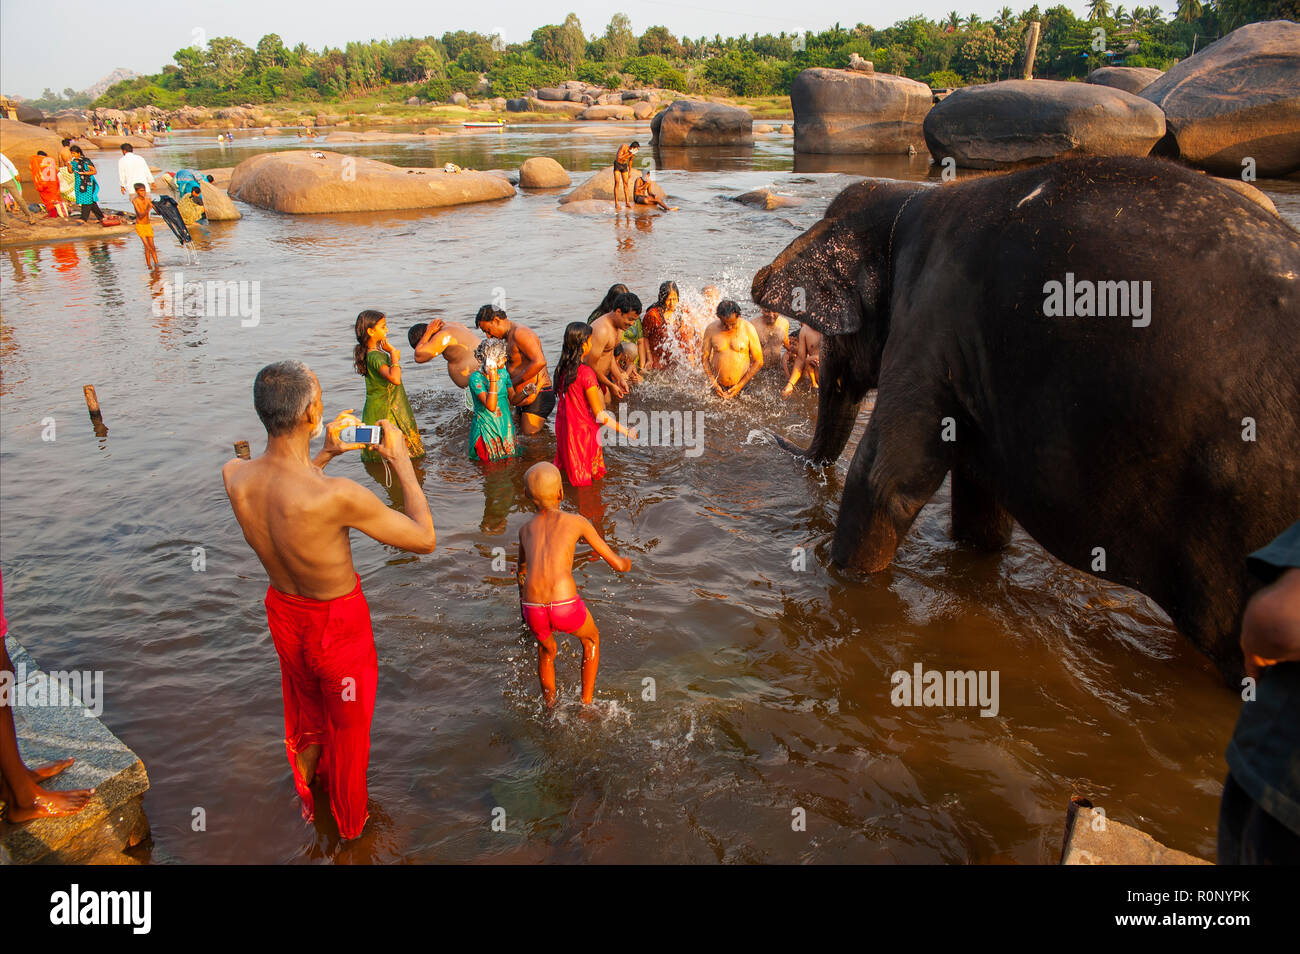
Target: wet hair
(76, 151)
(365, 321)
(416, 332)
(666, 289)
(281, 394)
(209, 179)
(138, 185)
(627, 302)
(490, 349)
(65, 142)
(487, 313)
(607, 303)
(634, 145)
(127, 147)
(41, 152)
(727, 308)
(576, 334)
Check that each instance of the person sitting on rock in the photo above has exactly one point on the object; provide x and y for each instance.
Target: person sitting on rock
(642, 194)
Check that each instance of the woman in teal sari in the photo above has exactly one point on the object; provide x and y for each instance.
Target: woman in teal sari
(380, 363)
(492, 432)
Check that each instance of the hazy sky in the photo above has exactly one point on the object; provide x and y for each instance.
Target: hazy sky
(142, 36)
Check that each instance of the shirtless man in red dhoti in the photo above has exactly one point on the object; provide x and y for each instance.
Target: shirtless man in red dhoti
(297, 521)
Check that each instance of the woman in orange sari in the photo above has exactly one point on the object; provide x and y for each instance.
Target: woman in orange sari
(45, 176)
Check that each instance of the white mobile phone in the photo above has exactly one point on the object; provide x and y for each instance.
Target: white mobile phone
(362, 434)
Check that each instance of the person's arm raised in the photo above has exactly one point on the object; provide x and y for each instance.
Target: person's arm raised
(393, 372)
(426, 349)
(603, 549)
(364, 511)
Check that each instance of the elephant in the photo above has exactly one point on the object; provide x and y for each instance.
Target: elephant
(1152, 441)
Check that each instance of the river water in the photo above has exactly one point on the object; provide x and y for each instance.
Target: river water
(771, 675)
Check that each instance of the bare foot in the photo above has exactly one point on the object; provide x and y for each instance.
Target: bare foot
(51, 804)
(49, 771)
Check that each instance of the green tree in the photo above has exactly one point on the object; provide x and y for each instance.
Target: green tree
(620, 41)
(658, 41)
(271, 51)
(1098, 10)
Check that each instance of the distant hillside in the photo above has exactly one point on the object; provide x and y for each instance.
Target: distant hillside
(117, 76)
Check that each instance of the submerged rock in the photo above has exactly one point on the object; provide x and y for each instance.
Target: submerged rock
(297, 183)
(600, 185)
(767, 199)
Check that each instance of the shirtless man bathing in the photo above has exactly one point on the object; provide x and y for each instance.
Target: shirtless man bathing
(447, 339)
(297, 521)
(606, 334)
(732, 352)
(530, 383)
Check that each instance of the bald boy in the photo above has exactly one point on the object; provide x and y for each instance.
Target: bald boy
(548, 595)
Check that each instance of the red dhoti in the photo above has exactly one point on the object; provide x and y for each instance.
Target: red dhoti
(329, 672)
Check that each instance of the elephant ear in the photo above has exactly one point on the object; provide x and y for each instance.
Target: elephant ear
(833, 275)
(816, 279)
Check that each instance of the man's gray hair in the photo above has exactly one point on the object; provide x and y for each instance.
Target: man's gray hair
(281, 394)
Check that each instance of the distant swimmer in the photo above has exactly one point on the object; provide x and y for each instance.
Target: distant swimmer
(623, 171)
(732, 352)
(143, 227)
(454, 342)
(548, 596)
(807, 359)
(643, 195)
(774, 335)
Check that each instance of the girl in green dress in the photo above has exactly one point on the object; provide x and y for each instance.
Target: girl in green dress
(380, 363)
(492, 432)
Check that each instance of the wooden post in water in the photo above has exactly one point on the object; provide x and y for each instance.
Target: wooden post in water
(92, 405)
(1031, 49)
(241, 450)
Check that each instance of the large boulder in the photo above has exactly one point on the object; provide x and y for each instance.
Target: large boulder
(1237, 99)
(555, 106)
(553, 94)
(1131, 79)
(20, 141)
(459, 99)
(116, 142)
(643, 110)
(298, 183)
(608, 112)
(693, 123)
(217, 204)
(542, 172)
(766, 199)
(517, 105)
(601, 186)
(853, 112)
(1021, 122)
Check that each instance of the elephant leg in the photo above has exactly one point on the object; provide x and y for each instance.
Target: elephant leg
(898, 466)
(838, 400)
(977, 517)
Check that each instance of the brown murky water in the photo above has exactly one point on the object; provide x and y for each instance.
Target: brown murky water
(772, 683)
